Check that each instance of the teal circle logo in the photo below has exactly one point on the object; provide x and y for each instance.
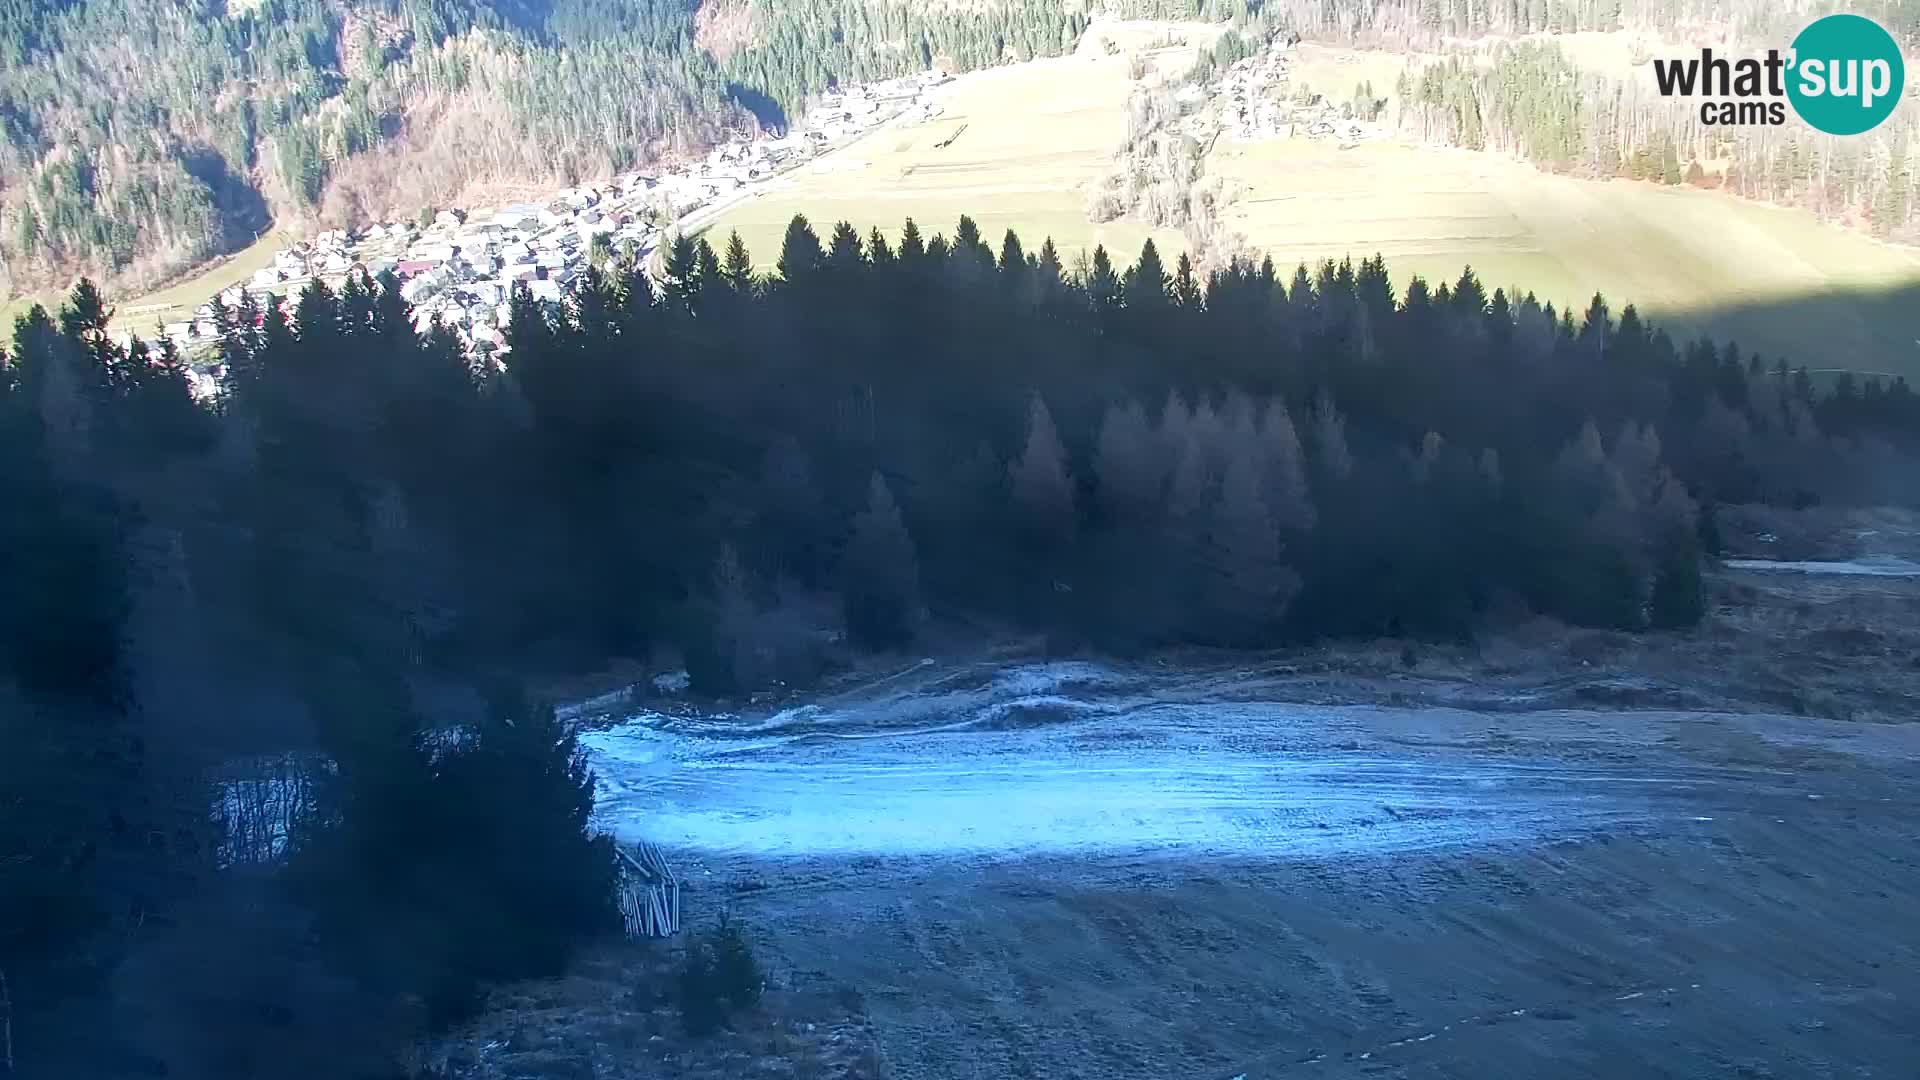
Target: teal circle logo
(1847, 74)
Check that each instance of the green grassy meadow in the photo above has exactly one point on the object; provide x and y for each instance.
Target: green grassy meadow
(1776, 280)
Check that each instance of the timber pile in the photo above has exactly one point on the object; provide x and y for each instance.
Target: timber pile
(649, 893)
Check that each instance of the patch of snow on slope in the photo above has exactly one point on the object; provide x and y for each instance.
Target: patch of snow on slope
(1873, 566)
(1082, 778)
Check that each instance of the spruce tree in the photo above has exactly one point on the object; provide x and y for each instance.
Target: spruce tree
(800, 253)
(879, 253)
(1038, 480)
(1102, 284)
(1145, 288)
(794, 511)
(1049, 274)
(1247, 586)
(1012, 257)
(1331, 454)
(880, 575)
(737, 270)
(709, 273)
(912, 248)
(1129, 466)
(1186, 289)
(844, 252)
(680, 273)
(1284, 470)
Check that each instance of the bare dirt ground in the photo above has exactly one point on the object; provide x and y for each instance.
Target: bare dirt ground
(1550, 854)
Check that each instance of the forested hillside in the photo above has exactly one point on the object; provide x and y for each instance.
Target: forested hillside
(1532, 101)
(141, 138)
(1428, 23)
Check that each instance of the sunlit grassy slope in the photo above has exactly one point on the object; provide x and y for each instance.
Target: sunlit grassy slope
(1031, 141)
(140, 314)
(1036, 136)
(1776, 280)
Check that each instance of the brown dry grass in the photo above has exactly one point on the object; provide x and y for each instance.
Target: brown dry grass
(613, 1012)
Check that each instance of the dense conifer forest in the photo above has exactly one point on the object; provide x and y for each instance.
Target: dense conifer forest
(261, 741)
(274, 796)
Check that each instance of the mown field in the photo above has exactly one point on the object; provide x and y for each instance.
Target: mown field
(142, 314)
(13, 309)
(1774, 279)
(1031, 141)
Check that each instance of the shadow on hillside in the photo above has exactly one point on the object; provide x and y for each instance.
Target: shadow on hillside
(764, 109)
(1870, 331)
(243, 212)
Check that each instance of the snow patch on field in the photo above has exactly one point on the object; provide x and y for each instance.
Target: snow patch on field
(1874, 566)
(1019, 767)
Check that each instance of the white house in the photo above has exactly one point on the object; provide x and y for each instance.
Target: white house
(203, 386)
(423, 286)
(518, 216)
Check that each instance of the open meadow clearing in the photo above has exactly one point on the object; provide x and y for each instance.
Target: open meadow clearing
(1696, 260)
(176, 302)
(1027, 143)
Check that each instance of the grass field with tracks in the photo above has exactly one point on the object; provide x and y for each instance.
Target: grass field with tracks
(1774, 279)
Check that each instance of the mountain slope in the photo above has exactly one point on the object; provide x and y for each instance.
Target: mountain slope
(137, 139)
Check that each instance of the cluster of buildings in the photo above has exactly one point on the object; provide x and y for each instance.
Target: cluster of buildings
(1254, 104)
(842, 114)
(460, 269)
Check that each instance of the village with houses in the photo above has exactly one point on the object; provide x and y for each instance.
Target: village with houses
(460, 267)
(1256, 100)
